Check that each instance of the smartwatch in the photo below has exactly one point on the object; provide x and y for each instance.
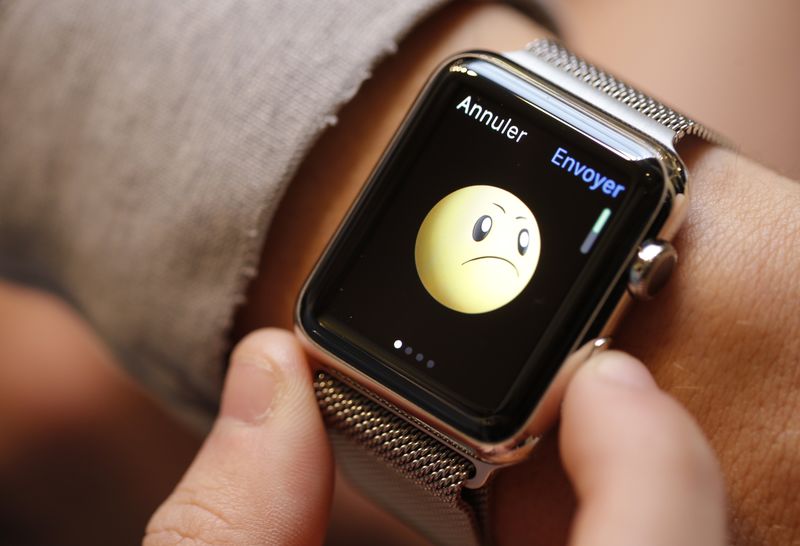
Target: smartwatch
(525, 201)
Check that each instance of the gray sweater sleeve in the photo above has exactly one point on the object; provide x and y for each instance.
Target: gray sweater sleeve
(144, 146)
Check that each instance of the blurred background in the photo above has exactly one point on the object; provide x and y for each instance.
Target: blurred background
(85, 455)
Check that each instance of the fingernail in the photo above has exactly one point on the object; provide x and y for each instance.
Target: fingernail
(622, 368)
(250, 389)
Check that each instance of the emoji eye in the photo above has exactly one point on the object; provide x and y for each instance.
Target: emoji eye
(523, 241)
(482, 227)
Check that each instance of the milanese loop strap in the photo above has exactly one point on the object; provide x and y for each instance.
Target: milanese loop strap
(403, 468)
(552, 52)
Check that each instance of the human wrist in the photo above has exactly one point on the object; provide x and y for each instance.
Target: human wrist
(722, 336)
(736, 267)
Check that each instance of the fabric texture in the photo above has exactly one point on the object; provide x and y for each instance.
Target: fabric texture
(144, 147)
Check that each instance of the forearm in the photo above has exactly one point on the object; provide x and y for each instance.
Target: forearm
(721, 337)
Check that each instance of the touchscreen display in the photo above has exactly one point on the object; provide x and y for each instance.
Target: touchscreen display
(486, 231)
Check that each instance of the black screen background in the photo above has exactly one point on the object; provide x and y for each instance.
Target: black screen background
(381, 298)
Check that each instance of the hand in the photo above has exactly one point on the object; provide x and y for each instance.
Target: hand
(642, 470)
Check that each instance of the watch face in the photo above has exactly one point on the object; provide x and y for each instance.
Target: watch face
(478, 256)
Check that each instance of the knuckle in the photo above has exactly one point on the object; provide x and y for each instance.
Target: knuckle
(188, 520)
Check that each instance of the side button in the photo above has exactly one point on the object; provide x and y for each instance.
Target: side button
(652, 268)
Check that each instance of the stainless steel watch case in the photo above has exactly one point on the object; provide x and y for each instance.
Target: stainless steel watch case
(634, 281)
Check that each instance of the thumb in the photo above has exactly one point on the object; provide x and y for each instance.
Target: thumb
(642, 470)
(264, 474)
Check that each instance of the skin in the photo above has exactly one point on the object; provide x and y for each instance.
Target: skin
(733, 62)
(721, 340)
(268, 426)
(77, 435)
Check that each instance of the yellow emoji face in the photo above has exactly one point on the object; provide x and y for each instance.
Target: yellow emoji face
(477, 249)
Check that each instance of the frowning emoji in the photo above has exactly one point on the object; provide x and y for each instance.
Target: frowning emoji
(477, 249)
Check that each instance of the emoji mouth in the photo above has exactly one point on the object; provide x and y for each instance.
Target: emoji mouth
(509, 262)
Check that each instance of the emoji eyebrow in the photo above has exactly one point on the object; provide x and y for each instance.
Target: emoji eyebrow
(501, 208)
(519, 218)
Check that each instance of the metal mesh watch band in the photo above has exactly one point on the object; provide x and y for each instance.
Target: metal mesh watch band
(409, 471)
(555, 54)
